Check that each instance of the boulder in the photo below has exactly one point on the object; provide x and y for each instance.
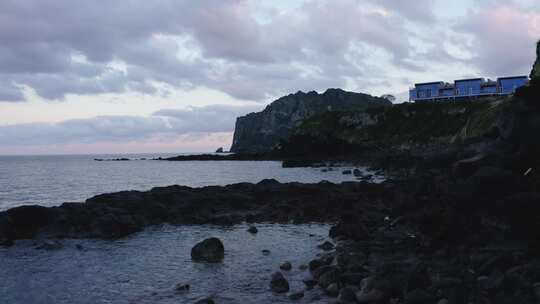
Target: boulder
(205, 301)
(182, 287)
(332, 290)
(347, 295)
(253, 229)
(354, 231)
(210, 250)
(286, 266)
(278, 283)
(296, 295)
(310, 283)
(50, 245)
(326, 246)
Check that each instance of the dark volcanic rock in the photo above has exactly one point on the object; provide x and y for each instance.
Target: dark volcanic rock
(210, 250)
(278, 283)
(285, 266)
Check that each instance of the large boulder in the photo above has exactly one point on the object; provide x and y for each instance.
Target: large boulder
(210, 250)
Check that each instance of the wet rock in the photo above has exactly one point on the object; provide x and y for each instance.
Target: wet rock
(310, 283)
(50, 245)
(278, 283)
(536, 290)
(329, 277)
(326, 246)
(347, 172)
(205, 301)
(418, 296)
(347, 295)
(182, 287)
(353, 231)
(332, 290)
(266, 252)
(252, 230)
(296, 295)
(357, 172)
(353, 278)
(286, 266)
(369, 293)
(210, 250)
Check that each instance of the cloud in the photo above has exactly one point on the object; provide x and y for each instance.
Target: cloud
(166, 123)
(504, 37)
(61, 47)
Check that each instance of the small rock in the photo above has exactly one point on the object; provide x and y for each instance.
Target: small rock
(314, 264)
(50, 245)
(210, 250)
(296, 295)
(266, 252)
(286, 266)
(253, 229)
(310, 283)
(418, 296)
(332, 290)
(182, 287)
(347, 172)
(347, 295)
(536, 288)
(205, 301)
(329, 277)
(278, 283)
(326, 246)
(372, 296)
(357, 172)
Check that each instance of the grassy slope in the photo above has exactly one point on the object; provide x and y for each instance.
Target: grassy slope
(408, 123)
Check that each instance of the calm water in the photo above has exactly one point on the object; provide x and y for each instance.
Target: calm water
(52, 180)
(145, 267)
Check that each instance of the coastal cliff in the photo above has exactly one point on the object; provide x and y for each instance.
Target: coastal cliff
(260, 132)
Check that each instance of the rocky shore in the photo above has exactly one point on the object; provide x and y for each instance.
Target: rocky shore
(469, 237)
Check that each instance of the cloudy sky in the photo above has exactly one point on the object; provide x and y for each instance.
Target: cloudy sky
(172, 75)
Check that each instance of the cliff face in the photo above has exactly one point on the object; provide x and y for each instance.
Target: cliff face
(535, 73)
(260, 132)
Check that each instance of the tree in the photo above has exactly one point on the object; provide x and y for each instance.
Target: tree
(389, 97)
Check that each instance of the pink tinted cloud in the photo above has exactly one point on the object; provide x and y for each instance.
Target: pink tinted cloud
(504, 38)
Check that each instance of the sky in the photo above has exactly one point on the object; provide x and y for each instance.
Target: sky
(139, 76)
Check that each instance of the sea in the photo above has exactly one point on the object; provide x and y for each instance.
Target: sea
(145, 267)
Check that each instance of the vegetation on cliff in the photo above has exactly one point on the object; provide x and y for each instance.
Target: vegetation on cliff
(401, 127)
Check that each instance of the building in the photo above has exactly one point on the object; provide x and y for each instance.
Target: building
(466, 88)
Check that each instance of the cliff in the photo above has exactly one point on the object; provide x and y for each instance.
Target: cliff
(402, 127)
(262, 131)
(535, 73)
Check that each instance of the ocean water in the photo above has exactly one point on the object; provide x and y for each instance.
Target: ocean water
(145, 267)
(52, 180)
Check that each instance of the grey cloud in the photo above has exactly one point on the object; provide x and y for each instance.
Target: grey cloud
(166, 122)
(238, 55)
(503, 43)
